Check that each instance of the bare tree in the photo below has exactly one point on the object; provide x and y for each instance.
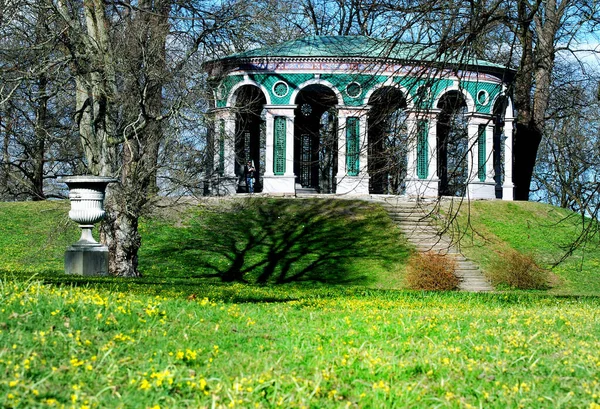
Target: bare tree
(123, 57)
(35, 126)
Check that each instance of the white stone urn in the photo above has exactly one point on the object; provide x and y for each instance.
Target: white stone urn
(87, 204)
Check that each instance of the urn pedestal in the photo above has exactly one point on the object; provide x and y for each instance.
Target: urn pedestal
(87, 257)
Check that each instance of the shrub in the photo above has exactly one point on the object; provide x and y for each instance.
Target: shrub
(431, 271)
(518, 271)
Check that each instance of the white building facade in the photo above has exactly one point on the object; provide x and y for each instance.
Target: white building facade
(353, 115)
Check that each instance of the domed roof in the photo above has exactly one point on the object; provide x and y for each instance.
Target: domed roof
(357, 47)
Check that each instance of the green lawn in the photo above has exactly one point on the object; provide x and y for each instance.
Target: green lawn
(181, 338)
(294, 346)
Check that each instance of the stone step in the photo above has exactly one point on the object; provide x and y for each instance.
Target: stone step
(473, 274)
(417, 227)
(408, 219)
(466, 265)
(475, 283)
(476, 289)
(406, 222)
(420, 231)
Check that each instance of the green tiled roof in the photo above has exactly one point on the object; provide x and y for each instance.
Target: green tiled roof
(356, 47)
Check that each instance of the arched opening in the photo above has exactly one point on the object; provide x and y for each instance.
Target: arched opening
(499, 140)
(388, 141)
(315, 139)
(250, 139)
(452, 144)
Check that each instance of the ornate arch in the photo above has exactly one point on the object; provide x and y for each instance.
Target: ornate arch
(231, 99)
(390, 83)
(471, 107)
(509, 111)
(317, 81)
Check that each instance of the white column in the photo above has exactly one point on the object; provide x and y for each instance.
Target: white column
(269, 144)
(364, 146)
(432, 174)
(508, 187)
(476, 189)
(411, 160)
(359, 184)
(489, 154)
(472, 153)
(279, 184)
(225, 184)
(289, 146)
(341, 149)
(427, 187)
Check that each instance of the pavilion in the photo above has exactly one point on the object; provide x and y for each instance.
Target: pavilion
(356, 115)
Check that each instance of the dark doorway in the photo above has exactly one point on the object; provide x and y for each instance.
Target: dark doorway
(249, 134)
(452, 145)
(388, 141)
(315, 139)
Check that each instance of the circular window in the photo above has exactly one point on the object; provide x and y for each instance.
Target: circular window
(306, 109)
(280, 89)
(483, 97)
(353, 89)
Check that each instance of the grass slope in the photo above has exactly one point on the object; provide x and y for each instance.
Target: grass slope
(488, 228)
(279, 240)
(333, 241)
(294, 347)
(34, 236)
(257, 240)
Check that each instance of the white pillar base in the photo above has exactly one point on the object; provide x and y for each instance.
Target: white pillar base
(354, 185)
(422, 188)
(508, 191)
(481, 190)
(279, 184)
(86, 260)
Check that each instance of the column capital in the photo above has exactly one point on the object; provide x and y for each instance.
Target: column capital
(477, 118)
(281, 110)
(346, 111)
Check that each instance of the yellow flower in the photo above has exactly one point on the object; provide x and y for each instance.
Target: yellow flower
(145, 385)
(76, 362)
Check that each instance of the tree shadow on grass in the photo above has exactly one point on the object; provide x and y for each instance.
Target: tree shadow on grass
(281, 241)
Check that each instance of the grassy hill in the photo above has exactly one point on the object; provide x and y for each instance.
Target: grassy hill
(488, 229)
(262, 240)
(279, 240)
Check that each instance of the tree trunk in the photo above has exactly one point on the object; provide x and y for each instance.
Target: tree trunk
(143, 102)
(527, 142)
(39, 148)
(535, 73)
(120, 233)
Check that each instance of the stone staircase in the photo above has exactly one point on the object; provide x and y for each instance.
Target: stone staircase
(413, 220)
(305, 190)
